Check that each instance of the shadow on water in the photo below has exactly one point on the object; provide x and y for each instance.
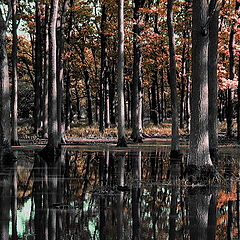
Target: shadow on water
(111, 195)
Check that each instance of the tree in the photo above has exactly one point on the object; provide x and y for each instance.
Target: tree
(53, 136)
(231, 47)
(199, 137)
(172, 80)
(212, 80)
(38, 68)
(121, 105)
(5, 133)
(104, 60)
(137, 94)
(46, 73)
(14, 107)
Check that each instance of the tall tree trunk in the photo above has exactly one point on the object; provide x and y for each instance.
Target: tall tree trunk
(46, 73)
(162, 96)
(172, 80)
(78, 102)
(60, 70)
(68, 69)
(238, 103)
(53, 139)
(153, 113)
(103, 68)
(137, 94)
(231, 74)
(87, 84)
(213, 81)
(107, 100)
(14, 110)
(199, 137)
(38, 70)
(183, 84)
(112, 94)
(5, 134)
(121, 103)
(187, 102)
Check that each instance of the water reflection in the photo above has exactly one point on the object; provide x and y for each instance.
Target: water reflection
(112, 195)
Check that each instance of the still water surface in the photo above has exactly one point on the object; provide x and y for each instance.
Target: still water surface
(102, 194)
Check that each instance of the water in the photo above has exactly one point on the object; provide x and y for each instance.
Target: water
(113, 194)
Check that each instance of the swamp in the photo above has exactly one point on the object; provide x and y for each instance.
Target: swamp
(104, 192)
(119, 119)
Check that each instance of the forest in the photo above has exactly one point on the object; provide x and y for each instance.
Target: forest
(119, 119)
(123, 65)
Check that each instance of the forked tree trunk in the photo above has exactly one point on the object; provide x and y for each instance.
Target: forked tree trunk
(5, 135)
(199, 137)
(213, 81)
(172, 80)
(121, 103)
(14, 136)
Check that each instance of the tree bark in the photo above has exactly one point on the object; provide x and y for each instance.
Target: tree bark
(87, 83)
(60, 70)
(46, 74)
(238, 104)
(112, 94)
(5, 134)
(199, 137)
(172, 79)
(68, 69)
(183, 84)
(153, 111)
(231, 74)
(38, 70)
(137, 94)
(121, 103)
(103, 69)
(212, 80)
(53, 139)
(14, 110)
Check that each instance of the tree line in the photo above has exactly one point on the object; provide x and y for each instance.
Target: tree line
(119, 63)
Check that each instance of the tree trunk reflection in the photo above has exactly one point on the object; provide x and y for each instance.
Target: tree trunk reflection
(136, 216)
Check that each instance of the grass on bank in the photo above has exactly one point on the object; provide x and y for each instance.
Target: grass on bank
(82, 130)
